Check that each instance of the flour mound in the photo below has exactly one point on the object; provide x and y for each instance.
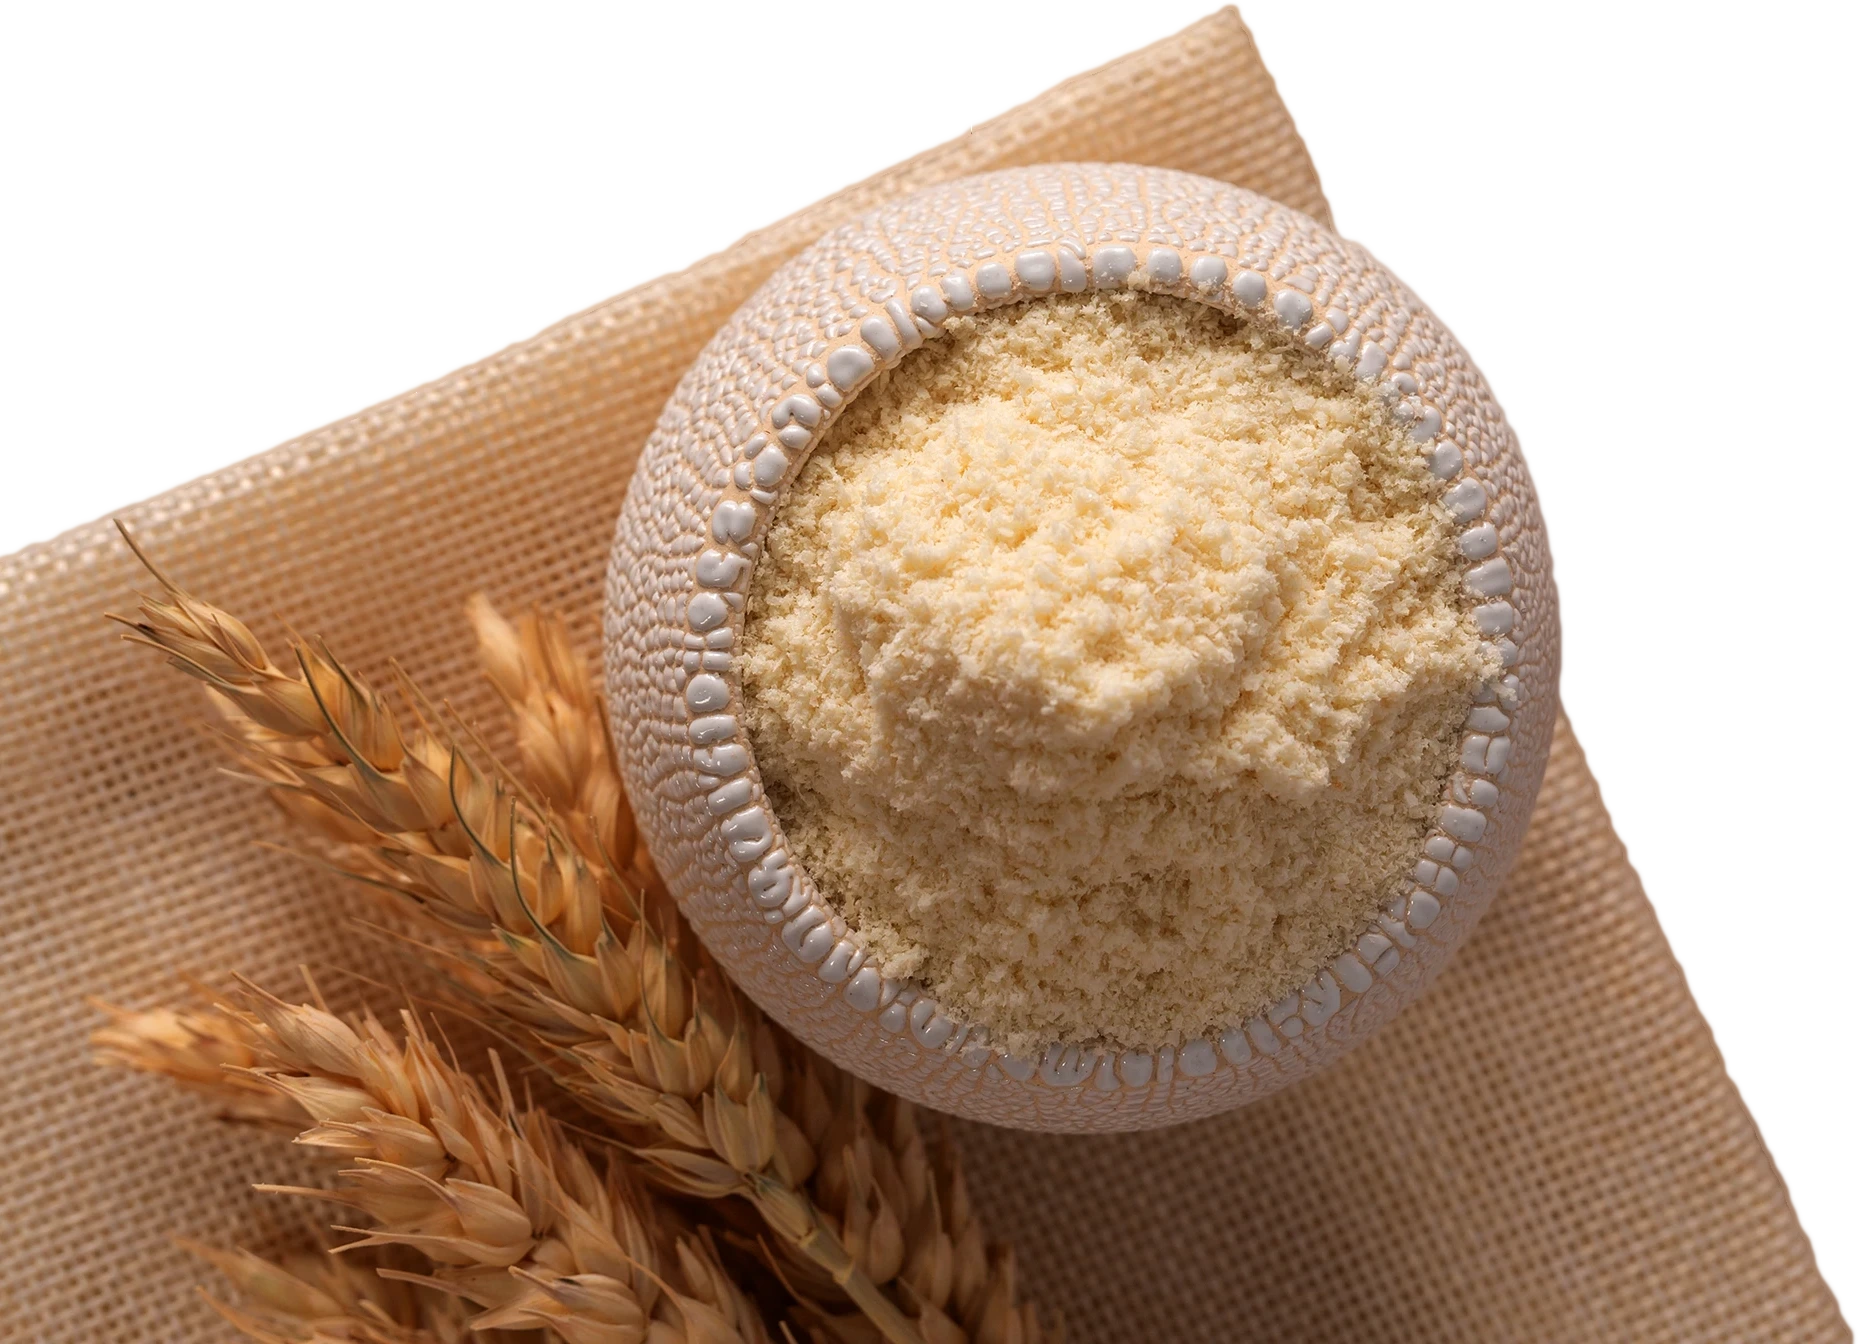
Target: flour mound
(1106, 666)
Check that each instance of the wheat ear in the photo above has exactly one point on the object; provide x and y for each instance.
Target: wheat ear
(631, 1023)
(899, 1199)
(512, 1214)
(205, 1052)
(556, 714)
(322, 1299)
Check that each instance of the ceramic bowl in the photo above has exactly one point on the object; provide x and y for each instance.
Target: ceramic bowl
(734, 436)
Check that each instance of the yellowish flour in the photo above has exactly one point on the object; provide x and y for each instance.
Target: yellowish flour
(1106, 665)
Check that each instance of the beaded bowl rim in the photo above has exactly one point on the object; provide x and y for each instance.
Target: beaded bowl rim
(790, 422)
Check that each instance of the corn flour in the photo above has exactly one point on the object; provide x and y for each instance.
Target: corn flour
(1106, 666)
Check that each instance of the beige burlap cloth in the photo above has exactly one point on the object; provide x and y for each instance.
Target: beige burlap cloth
(1546, 1147)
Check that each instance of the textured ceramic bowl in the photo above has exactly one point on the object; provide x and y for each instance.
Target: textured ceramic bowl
(734, 436)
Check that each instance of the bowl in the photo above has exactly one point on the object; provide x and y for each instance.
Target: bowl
(732, 440)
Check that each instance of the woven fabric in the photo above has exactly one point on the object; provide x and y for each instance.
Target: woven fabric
(1547, 1147)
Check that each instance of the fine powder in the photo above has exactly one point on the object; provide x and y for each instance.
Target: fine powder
(1106, 665)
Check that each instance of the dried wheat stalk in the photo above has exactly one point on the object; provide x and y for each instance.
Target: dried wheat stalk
(512, 1215)
(583, 951)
